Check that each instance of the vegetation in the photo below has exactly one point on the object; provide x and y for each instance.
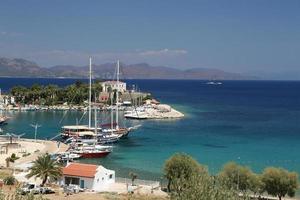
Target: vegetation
(29, 196)
(9, 180)
(187, 179)
(279, 182)
(13, 157)
(10, 159)
(2, 196)
(44, 167)
(53, 95)
(241, 178)
(4, 173)
(180, 169)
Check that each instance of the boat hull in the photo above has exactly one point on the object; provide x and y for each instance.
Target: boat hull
(94, 154)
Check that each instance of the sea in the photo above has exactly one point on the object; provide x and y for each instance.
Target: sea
(253, 123)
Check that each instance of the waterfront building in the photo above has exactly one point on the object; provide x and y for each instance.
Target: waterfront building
(114, 86)
(86, 176)
(7, 100)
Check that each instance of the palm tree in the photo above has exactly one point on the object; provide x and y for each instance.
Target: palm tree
(44, 167)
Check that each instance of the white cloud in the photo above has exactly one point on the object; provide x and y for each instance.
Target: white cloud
(10, 34)
(163, 52)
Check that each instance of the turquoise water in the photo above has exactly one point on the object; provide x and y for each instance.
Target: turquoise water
(258, 121)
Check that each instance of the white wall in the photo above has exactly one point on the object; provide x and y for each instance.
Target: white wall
(88, 182)
(102, 179)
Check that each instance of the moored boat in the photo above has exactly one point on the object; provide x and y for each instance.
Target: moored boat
(3, 120)
(92, 153)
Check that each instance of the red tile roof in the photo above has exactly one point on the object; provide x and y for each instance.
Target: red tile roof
(81, 170)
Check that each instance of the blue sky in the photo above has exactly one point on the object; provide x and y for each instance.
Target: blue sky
(254, 36)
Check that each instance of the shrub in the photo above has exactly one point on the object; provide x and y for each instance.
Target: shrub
(9, 180)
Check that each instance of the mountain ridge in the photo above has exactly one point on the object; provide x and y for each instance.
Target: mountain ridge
(19, 67)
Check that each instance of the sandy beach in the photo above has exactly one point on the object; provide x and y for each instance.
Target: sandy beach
(27, 150)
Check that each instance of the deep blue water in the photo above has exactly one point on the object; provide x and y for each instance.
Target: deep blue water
(258, 121)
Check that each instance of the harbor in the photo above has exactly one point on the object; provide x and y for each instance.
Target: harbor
(77, 142)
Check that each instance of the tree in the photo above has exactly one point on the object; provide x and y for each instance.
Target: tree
(20, 93)
(179, 170)
(187, 179)
(205, 187)
(237, 177)
(133, 176)
(44, 167)
(256, 184)
(279, 182)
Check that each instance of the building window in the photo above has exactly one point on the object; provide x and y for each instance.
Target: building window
(110, 176)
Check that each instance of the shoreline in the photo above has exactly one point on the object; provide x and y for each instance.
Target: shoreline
(152, 113)
(27, 150)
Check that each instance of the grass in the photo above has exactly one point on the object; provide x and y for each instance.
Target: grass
(5, 173)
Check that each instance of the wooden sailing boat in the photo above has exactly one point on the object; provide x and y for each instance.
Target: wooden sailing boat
(115, 126)
(91, 151)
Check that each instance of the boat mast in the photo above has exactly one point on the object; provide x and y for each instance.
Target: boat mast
(95, 117)
(111, 113)
(90, 93)
(117, 96)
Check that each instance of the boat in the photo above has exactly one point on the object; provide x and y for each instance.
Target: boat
(86, 150)
(3, 120)
(77, 132)
(136, 114)
(114, 126)
(108, 138)
(65, 156)
(91, 153)
(214, 83)
(82, 131)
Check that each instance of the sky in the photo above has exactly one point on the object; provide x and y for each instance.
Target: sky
(251, 37)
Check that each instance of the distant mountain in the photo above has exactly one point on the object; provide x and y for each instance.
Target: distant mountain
(25, 68)
(21, 67)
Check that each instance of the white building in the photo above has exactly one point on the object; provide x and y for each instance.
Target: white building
(114, 86)
(87, 176)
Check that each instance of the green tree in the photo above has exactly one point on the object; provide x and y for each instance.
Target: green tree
(179, 170)
(35, 93)
(256, 184)
(187, 179)
(280, 182)
(20, 93)
(237, 177)
(50, 93)
(44, 167)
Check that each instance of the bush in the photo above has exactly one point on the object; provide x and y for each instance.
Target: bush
(13, 157)
(9, 180)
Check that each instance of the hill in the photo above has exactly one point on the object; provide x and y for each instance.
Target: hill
(24, 68)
